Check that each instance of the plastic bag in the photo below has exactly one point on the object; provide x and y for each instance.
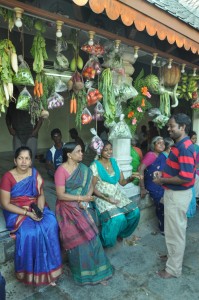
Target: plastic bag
(96, 143)
(113, 60)
(152, 112)
(98, 112)
(161, 121)
(24, 99)
(60, 86)
(61, 62)
(86, 116)
(78, 82)
(23, 76)
(93, 95)
(55, 101)
(99, 108)
(124, 92)
(96, 49)
(92, 68)
(120, 130)
(195, 105)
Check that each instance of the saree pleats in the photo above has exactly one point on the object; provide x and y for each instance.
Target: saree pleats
(89, 264)
(37, 255)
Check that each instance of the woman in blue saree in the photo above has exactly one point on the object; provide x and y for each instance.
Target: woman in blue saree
(37, 249)
(79, 234)
(153, 161)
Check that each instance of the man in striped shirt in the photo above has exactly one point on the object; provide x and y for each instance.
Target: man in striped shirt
(177, 178)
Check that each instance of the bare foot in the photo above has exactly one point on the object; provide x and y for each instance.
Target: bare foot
(165, 275)
(136, 238)
(104, 282)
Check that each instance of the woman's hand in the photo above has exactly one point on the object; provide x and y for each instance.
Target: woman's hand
(109, 199)
(136, 175)
(33, 216)
(86, 198)
(113, 201)
(157, 174)
(83, 205)
(143, 192)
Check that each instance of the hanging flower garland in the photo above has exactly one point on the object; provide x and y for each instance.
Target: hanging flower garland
(136, 107)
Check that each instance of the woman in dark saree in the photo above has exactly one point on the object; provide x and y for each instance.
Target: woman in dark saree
(79, 234)
(153, 161)
(37, 249)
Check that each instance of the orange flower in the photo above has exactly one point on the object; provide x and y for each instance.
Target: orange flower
(143, 102)
(130, 114)
(144, 90)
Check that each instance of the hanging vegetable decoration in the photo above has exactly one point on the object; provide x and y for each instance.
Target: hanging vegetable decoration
(187, 86)
(109, 103)
(8, 67)
(135, 108)
(77, 61)
(38, 88)
(170, 76)
(38, 50)
(152, 82)
(81, 103)
(8, 16)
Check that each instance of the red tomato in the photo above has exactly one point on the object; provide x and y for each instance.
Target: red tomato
(99, 96)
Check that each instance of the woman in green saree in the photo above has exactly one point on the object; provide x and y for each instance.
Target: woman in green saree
(79, 234)
(118, 215)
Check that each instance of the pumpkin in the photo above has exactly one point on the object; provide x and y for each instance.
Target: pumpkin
(171, 76)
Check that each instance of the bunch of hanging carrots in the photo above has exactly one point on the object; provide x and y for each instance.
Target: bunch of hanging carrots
(73, 105)
(38, 89)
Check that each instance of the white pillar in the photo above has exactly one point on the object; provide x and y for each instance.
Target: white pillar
(121, 152)
(196, 122)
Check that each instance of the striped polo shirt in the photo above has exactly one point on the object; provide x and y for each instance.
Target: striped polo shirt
(181, 163)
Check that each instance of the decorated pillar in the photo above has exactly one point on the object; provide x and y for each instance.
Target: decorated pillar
(196, 122)
(121, 152)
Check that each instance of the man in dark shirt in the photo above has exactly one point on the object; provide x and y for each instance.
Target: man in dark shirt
(54, 155)
(20, 127)
(178, 179)
(74, 135)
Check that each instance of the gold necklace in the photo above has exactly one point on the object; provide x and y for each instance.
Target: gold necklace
(106, 166)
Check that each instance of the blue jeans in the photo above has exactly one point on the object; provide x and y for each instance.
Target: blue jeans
(2, 288)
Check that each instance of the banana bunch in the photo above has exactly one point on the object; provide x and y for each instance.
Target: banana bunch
(187, 85)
